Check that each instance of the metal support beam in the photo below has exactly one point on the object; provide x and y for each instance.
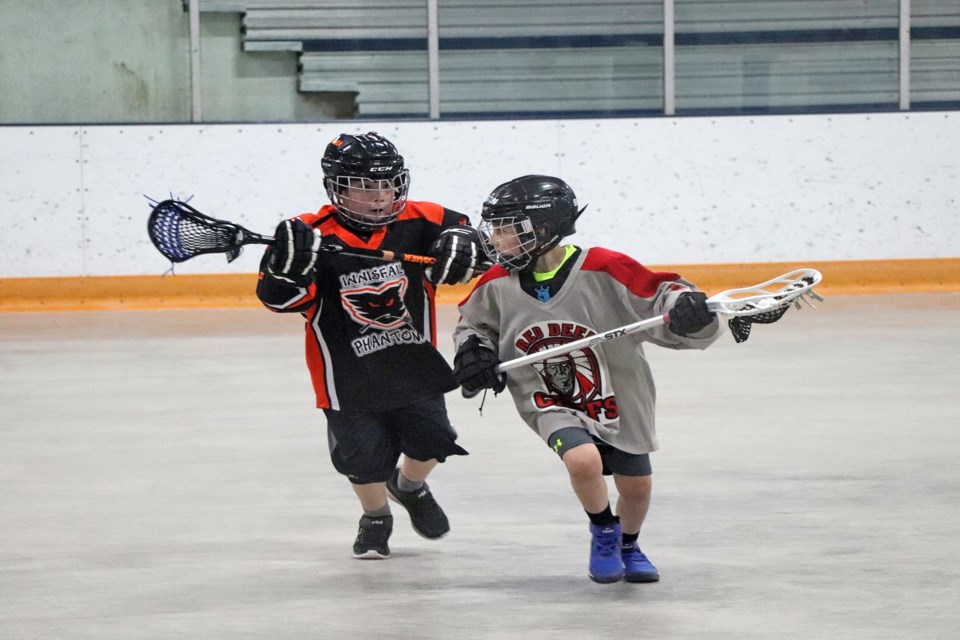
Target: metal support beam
(196, 92)
(433, 58)
(904, 55)
(669, 66)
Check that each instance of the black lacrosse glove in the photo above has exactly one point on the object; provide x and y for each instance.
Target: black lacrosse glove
(459, 255)
(475, 368)
(690, 314)
(293, 255)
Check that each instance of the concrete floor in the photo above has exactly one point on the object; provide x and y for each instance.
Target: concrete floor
(163, 475)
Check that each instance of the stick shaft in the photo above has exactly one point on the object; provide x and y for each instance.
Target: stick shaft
(589, 341)
(403, 257)
(387, 256)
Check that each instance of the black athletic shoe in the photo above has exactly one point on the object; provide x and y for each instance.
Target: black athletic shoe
(371, 543)
(426, 516)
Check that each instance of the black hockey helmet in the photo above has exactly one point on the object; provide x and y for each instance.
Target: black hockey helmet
(365, 179)
(524, 218)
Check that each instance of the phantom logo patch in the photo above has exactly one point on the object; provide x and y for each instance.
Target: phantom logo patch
(373, 298)
(377, 307)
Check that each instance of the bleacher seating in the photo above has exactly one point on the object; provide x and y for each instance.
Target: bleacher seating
(544, 56)
(554, 57)
(338, 24)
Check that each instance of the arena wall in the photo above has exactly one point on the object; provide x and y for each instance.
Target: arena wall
(867, 194)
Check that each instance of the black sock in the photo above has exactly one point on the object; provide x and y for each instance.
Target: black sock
(603, 518)
(630, 538)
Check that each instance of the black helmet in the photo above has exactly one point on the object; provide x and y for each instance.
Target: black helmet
(526, 217)
(365, 179)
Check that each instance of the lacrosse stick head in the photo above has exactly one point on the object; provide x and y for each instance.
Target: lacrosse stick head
(767, 297)
(180, 232)
(764, 303)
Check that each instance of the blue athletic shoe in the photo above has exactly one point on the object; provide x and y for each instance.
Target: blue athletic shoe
(605, 562)
(638, 566)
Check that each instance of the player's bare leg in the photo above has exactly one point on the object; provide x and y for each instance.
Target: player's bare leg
(632, 507)
(373, 496)
(376, 524)
(585, 467)
(634, 500)
(416, 470)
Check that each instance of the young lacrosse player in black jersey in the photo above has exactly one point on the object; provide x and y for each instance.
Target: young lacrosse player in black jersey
(593, 406)
(371, 328)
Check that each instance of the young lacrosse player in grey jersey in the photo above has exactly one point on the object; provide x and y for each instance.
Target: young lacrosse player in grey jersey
(593, 406)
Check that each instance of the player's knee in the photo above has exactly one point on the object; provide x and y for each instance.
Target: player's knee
(635, 488)
(583, 461)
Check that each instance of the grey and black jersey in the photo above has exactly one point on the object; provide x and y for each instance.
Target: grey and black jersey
(607, 388)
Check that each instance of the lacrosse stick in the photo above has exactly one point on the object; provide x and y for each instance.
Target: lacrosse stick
(180, 232)
(767, 302)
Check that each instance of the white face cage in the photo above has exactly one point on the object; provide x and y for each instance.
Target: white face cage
(369, 203)
(511, 240)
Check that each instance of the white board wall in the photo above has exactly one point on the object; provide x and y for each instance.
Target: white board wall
(664, 190)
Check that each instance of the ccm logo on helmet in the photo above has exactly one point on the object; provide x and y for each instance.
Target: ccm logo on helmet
(378, 169)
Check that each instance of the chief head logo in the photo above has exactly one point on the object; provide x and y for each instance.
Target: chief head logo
(573, 376)
(575, 380)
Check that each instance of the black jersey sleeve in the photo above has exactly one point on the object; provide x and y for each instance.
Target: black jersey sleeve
(452, 218)
(432, 231)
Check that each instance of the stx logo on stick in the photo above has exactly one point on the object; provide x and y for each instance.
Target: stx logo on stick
(567, 330)
(609, 335)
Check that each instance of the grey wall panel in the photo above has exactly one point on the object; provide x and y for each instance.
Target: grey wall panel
(935, 70)
(771, 76)
(759, 15)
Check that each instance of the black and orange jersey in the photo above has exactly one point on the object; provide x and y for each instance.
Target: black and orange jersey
(370, 325)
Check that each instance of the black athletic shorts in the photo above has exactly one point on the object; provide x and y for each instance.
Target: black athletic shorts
(365, 446)
(614, 460)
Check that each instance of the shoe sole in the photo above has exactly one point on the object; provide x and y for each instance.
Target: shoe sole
(371, 555)
(640, 579)
(606, 580)
(413, 526)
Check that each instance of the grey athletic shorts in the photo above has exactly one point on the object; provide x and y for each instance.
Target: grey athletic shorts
(614, 460)
(365, 446)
